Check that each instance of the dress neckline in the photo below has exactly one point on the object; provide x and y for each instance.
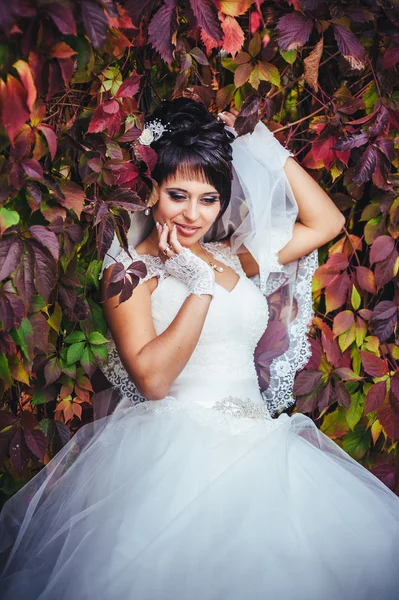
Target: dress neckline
(159, 261)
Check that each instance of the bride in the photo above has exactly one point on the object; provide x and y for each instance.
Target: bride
(205, 489)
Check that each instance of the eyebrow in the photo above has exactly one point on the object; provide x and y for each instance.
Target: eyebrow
(183, 190)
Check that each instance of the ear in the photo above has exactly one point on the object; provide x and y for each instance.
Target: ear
(154, 195)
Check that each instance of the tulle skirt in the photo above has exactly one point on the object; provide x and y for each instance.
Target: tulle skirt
(161, 502)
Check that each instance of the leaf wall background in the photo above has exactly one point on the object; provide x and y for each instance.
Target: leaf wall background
(76, 80)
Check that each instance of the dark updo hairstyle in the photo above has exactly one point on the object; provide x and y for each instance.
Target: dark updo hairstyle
(196, 145)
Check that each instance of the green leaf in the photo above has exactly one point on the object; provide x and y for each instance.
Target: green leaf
(269, 72)
(100, 352)
(356, 409)
(24, 335)
(75, 352)
(289, 56)
(7, 218)
(355, 298)
(97, 338)
(75, 336)
(88, 359)
(229, 64)
(357, 443)
(5, 374)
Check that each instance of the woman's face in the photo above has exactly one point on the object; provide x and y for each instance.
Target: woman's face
(192, 205)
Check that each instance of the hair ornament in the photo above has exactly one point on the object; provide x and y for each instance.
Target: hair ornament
(152, 132)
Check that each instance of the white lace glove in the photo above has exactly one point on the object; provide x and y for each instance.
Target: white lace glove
(192, 271)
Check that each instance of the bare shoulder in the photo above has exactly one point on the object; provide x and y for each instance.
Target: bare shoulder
(248, 263)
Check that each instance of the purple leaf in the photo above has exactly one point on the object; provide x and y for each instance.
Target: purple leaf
(385, 271)
(352, 141)
(137, 8)
(386, 146)
(45, 271)
(391, 57)
(10, 255)
(306, 382)
(312, 4)
(366, 165)
(161, 29)
(32, 168)
(23, 278)
(52, 370)
(62, 17)
(105, 236)
(349, 46)
(342, 395)
(294, 30)
(381, 248)
(46, 238)
(206, 15)
(381, 122)
(375, 396)
(248, 116)
(96, 23)
(18, 452)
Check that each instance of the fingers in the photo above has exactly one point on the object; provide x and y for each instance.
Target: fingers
(228, 118)
(174, 242)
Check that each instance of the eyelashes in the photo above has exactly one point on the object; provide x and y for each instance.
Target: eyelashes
(206, 199)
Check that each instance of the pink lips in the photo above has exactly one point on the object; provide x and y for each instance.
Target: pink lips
(186, 230)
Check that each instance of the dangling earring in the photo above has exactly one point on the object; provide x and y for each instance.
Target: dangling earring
(152, 198)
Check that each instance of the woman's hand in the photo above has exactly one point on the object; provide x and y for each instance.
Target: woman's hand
(168, 243)
(228, 117)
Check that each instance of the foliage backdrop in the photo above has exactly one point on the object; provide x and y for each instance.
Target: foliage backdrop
(77, 78)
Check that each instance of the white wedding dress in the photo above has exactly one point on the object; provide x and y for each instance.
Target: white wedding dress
(202, 495)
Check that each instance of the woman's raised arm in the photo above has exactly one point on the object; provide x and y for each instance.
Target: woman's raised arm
(319, 219)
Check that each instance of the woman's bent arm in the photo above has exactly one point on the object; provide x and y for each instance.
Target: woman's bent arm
(154, 362)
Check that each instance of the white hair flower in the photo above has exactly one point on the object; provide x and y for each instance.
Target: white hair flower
(152, 132)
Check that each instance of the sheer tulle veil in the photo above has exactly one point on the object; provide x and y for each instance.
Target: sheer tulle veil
(260, 218)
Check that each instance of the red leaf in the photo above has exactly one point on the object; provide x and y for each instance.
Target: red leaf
(294, 31)
(74, 196)
(343, 321)
(365, 278)
(15, 112)
(130, 86)
(395, 385)
(32, 168)
(27, 79)
(95, 21)
(375, 396)
(350, 46)
(388, 415)
(206, 15)
(50, 137)
(382, 247)
(373, 365)
(62, 50)
(337, 291)
(323, 150)
(23, 278)
(233, 38)
(208, 41)
(106, 116)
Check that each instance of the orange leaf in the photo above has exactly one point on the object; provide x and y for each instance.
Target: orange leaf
(208, 41)
(312, 63)
(342, 322)
(62, 50)
(233, 38)
(242, 74)
(234, 8)
(27, 79)
(15, 112)
(74, 196)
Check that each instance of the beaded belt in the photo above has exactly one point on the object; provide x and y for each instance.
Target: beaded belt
(238, 407)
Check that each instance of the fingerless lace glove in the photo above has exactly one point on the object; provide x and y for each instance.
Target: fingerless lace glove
(193, 272)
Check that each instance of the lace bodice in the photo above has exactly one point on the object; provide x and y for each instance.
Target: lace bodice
(222, 363)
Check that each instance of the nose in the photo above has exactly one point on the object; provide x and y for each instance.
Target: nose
(191, 211)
